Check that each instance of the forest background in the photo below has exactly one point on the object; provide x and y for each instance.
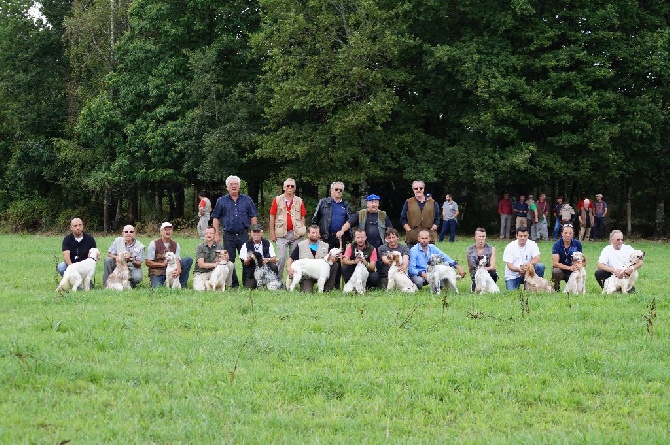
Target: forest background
(119, 110)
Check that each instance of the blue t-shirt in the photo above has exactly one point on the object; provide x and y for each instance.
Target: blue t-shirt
(565, 253)
(338, 216)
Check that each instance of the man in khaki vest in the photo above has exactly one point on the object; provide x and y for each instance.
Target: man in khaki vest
(287, 222)
(419, 213)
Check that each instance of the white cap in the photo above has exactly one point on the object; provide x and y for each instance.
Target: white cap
(165, 224)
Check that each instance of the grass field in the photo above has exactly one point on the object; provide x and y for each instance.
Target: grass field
(256, 367)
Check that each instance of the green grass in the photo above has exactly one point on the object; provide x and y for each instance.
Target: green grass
(241, 367)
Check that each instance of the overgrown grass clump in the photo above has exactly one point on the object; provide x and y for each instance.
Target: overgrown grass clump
(259, 367)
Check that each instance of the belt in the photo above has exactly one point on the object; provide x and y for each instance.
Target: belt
(227, 232)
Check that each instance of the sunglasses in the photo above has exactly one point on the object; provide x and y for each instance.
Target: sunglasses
(567, 225)
(291, 186)
(418, 188)
(338, 190)
(618, 239)
(128, 231)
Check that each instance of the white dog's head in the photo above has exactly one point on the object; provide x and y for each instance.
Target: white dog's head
(635, 257)
(482, 262)
(94, 253)
(221, 257)
(333, 254)
(578, 258)
(170, 257)
(435, 260)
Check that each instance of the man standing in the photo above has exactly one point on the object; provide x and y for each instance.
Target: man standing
(383, 263)
(375, 222)
(312, 247)
(449, 214)
(256, 244)
(360, 251)
(517, 254)
(520, 210)
(157, 263)
(561, 256)
(614, 258)
(204, 212)
(419, 213)
(419, 256)
(600, 212)
(233, 214)
(75, 245)
(586, 219)
(505, 212)
(206, 259)
(531, 216)
(121, 244)
(287, 222)
(557, 216)
(541, 213)
(331, 214)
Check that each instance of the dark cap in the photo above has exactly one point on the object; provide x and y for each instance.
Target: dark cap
(256, 228)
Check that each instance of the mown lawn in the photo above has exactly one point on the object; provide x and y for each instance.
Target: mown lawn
(256, 367)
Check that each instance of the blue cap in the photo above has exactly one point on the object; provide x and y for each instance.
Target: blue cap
(373, 197)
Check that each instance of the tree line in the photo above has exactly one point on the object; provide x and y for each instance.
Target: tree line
(121, 110)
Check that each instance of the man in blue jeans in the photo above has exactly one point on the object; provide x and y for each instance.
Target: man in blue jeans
(517, 254)
(449, 214)
(157, 263)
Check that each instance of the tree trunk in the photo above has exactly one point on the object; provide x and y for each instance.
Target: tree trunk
(105, 212)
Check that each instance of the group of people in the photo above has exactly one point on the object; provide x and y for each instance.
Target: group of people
(534, 215)
(235, 230)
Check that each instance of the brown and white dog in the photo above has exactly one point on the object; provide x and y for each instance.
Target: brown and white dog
(217, 280)
(625, 283)
(398, 280)
(120, 278)
(535, 283)
(577, 281)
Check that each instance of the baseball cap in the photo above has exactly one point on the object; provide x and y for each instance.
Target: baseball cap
(372, 197)
(599, 195)
(165, 224)
(256, 228)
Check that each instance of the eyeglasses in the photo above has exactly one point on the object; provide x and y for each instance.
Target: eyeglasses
(128, 231)
(291, 186)
(618, 239)
(338, 190)
(418, 188)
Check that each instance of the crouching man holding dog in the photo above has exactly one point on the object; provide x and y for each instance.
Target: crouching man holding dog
(420, 254)
(314, 248)
(75, 245)
(157, 263)
(256, 244)
(126, 243)
(207, 258)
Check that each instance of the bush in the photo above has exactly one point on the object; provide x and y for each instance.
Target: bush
(26, 215)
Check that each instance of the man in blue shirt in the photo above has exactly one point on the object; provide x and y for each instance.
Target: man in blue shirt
(561, 255)
(420, 254)
(234, 213)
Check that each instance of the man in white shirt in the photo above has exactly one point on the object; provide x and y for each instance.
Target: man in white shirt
(614, 258)
(517, 254)
(256, 244)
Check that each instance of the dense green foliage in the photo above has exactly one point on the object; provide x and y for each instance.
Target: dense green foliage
(261, 367)
(115, 108)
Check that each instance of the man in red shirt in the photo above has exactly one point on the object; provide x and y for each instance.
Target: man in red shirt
(287, 222)
(505, 212)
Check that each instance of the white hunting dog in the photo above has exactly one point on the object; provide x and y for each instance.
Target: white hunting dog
(316, 268)
(80, 273)
(170, 281)
(535, 283)
(358, 279)
(439, 274)
(396, 279)
(483, 281)
(625, 283)
(119, 279)
(577, 281)
(217, 280)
